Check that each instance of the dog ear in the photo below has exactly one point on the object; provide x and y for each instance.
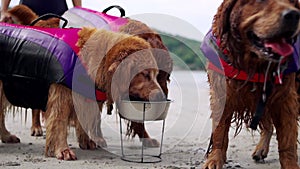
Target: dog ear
(111, 91)
(221, 24)
(84, 34)
(120, 76)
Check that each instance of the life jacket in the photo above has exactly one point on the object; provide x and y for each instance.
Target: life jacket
(78, 17)
(33, 58)
(218, 61)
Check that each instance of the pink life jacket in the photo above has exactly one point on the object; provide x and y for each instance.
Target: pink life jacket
(79, 17)
(33, 58)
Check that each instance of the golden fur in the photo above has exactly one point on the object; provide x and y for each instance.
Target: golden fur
(235, 100)
(89, 42)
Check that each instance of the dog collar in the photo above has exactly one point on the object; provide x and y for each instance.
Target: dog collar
(100, 95)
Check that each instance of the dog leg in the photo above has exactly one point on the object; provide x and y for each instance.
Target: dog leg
(262, 148)
(217, 157)
(284, 115)
(83, 139)
(59, 108)
(97, 136)
(5, 135)
(36, 128)
(221, 120)
(286, 131)
(139, 129)
(87, 121)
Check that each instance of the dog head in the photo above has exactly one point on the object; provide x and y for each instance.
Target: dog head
(134, 74)
(124, 65)
(256, 30)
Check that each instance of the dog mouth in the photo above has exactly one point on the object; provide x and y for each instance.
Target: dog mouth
(272, 48)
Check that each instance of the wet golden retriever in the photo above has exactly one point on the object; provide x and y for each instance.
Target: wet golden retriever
(121, 65)
(25, 16)
(253, 40)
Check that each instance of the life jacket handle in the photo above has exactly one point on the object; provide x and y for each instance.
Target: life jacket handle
(122, 11)
(47, 16)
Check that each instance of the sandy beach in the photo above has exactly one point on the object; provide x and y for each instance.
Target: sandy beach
(186, 137)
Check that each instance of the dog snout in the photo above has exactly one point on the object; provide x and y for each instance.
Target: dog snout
(290, 20)
(157, 95)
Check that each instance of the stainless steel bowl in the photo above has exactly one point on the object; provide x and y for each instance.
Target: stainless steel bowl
(144, 111)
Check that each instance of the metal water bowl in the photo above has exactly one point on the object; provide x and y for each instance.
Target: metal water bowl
(144, 110)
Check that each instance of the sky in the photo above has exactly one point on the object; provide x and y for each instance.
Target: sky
(191, 18)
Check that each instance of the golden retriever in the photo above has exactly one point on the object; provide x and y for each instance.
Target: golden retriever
(23, 15)
(165, 67)
(253, 41)
(103, 53)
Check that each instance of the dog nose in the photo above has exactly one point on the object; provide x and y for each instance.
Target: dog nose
(157, 95)
(291, 17)
(290, 22)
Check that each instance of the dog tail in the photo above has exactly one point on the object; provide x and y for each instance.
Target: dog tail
(22, 14)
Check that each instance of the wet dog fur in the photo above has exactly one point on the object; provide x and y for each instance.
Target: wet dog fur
(243, 28)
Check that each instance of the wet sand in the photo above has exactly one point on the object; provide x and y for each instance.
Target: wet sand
(186, 137)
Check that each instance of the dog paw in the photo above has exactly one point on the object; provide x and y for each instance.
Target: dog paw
(10, 139)
(212, 165)
(66, 154)
(214, 160)
(101, 143)
(149, 142)
(259, 154)
(36, 131)
(87, 144)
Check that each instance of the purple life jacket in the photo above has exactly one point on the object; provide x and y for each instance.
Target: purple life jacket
(218, 60)
(33, 58)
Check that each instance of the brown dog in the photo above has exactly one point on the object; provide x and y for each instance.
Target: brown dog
(132, 27)
(254, 42)
(165, 68)
(121, 65)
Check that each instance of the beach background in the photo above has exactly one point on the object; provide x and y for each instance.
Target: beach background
(187, 125)
(186, 137)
